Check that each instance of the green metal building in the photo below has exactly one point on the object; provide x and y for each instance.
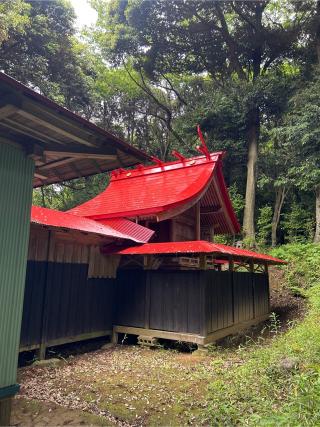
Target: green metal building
(40, 143)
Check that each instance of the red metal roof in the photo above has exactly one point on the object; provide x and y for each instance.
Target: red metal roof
(197, 247)
(137, 232)
(118, 229)
(163, 191)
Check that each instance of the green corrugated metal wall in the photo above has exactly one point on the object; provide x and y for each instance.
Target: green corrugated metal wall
(16, 172)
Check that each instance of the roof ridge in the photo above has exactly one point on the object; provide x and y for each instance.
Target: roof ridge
(142, 170)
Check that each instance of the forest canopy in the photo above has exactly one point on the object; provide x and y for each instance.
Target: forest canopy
(247, 72)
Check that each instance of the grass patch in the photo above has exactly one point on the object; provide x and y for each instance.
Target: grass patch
(278, 384)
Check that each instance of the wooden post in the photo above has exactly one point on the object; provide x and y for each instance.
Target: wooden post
(266, 271)
(252, 285)
(203, 261)
(44, 313)
(231, 267)
(231, 264)
(147, 300)
(145, 262)
(172, 230)
(198, 223)
(5, 411)
(114, 339)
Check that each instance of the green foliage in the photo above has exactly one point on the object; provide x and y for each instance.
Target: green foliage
(66, 195)
(263, 390)
(301, 133)
(297, 224)
(302, 271)
(237, 199)
(39, 49)
(264, 225)
(13, 17)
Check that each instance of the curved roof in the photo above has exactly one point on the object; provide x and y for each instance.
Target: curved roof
(163, 191)
(197, 247)
(117, 229)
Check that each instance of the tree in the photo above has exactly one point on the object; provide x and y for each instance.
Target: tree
(237, 40)
(302, 135)
(13, 17)
(39, 49)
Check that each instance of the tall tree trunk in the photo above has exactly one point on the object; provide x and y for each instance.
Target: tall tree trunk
(43, 198)
(280, 196)
(316, 238)
(318, 32)
(253, 140)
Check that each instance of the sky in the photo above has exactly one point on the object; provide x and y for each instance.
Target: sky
(85, 14)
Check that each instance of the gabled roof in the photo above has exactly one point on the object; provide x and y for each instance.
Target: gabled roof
(166, 190)
(198, 247)
(63, 144)
(117, 229)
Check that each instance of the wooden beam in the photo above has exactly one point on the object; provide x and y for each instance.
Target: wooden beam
(54, 128)
(76, 170)
(26, 130)
(176, 336)
(75, 149)
(7, 110)
(81, 155)
(56, 163)
(210, 209)
(96, 165)
(40, 176)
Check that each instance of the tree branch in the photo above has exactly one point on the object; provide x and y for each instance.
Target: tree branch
(232, 47)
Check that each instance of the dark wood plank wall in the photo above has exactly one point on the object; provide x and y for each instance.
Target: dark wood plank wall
(198, 302)
(33, 303)
(131, 298)
(243, 296)
(261, 294)
(218, 300)
(174, 301)
(61, 302)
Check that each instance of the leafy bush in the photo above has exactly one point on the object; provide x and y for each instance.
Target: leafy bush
(303, 269)
(298, 224)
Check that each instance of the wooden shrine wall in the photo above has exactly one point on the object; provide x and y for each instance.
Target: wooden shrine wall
(69, 291)
(196, 302)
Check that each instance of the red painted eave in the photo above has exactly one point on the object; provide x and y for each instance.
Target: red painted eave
(118, 229)
(198, 247)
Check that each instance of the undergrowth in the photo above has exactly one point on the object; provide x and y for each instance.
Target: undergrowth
(277, 384)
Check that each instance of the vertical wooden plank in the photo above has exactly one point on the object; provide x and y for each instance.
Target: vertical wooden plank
(194, 303)
(147, 301)
(5, 411)
(205, 314)
(252, 289)
(45, 301)
(198, 223)
(172, 230)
